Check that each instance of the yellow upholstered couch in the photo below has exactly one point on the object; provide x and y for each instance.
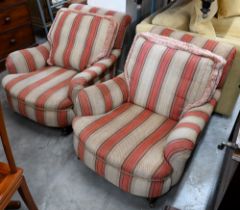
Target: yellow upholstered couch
(186, 16)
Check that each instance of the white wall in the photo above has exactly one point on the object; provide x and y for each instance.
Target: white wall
(125, 6)
(118, 5)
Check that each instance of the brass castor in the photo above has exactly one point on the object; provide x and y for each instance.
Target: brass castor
(14, 205)
(151, 202)
(67, 130)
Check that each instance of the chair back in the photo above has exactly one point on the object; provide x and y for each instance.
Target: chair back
(6, 144)
(122, 19)
(170, 77)
(227, 51)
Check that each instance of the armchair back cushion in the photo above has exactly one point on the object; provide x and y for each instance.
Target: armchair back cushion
(79, 39)
(225, 50)
(168, 76)
(122, 19)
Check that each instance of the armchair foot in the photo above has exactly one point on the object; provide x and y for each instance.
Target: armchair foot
(67, 130)
(13, 205)
(152, 202)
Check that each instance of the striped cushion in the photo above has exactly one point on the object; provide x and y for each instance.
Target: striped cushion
(168, 76)
(122, 19)
(225, 50)
(80, 39)
(45, 89)
(126, 147)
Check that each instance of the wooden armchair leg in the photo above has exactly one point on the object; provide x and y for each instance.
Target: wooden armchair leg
(13, 205)
(26, 195)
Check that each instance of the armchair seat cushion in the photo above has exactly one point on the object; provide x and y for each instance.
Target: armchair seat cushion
(126, 147)
(32, 94)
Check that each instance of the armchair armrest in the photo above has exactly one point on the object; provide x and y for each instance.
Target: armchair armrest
(89, 75)
(28, 60)
(181, 141)
(101, 98)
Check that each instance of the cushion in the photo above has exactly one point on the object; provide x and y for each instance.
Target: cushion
(126, 147)
(225, 50)
(79, 39)
(228, 8)
(168, 76)
(46, 88)
(122, 19)
(201, 25)
(176, 17)
(227, 26)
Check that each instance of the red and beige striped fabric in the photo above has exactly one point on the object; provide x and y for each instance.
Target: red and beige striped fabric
(42, 95)
(52, 114)
(102, 70)
(139, 151)
(227, 51)
(80, 39)
(122, 19)
(182, 138)
(168, 76)
(45, 93)
(101, 98)
(28, 60)
(125, 146)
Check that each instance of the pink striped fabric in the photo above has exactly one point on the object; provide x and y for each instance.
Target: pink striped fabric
(227, 51)
(98, 72)
(123, 20)
(139, 151)
(128, 139)
(131, 140)
(42, 95)
(80, 39)
(28, 60)
(168, 76)
(101, 98)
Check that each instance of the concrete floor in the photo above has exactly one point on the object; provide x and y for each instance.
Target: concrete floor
(56, 178)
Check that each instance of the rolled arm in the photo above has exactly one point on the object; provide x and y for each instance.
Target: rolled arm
(91, 74)
(101, 98)
(181, 141)
(28, 60)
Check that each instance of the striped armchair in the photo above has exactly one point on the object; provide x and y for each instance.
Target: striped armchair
(84, 44)
(139, 129)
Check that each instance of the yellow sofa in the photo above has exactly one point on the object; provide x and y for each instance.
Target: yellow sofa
(226, 30)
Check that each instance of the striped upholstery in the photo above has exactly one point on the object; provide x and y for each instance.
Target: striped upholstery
(28, 60)
(168, 76)
(127, 141)
(138, 148)
(225, 50)
(100, 71)
(139, 151)
(123, 20)
(183, 137)
(102, 97)
(41, 95)
(80, 39)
